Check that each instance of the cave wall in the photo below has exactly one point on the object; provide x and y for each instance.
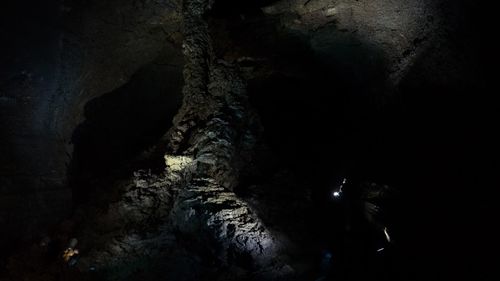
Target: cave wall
(59, 56)
(338, 68)
(411, 58)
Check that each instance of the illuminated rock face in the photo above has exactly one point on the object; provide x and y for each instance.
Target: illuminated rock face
(207, 209)
(400, 30)
(102, 48)
(228, 192)
(167, 221)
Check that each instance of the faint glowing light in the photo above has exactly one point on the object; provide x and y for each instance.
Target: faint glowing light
(338, 192)
(69, 254)
(387, 235)
(331, 11)
(328, 255)
(380, 250)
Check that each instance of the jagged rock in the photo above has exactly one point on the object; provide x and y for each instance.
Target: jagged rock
(207, 208)
(204, 204)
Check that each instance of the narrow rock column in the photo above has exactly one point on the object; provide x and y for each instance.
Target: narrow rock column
(198, 54)
(211, 128)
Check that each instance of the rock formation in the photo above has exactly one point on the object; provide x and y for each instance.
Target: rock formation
(202, 139)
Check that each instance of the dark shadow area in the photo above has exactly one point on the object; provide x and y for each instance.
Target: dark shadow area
(121, 124)
(27, 36)
(224, 8)
(321, 123)
(438, 147)
(318, 119)
(320, 108)
(327, 115)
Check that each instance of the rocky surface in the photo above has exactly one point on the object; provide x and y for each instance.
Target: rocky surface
(398, 30)
(96, 48)
(272, 94)
(83, 51)
(208, 133)
(191, 203)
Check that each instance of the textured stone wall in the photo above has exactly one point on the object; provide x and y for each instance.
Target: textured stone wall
(190, 208)
(195, 218)
(61, 55)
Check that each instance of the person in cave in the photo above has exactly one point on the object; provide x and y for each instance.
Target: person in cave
(359, 237)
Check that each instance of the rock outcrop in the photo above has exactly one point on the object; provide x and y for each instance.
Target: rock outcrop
(189, 211)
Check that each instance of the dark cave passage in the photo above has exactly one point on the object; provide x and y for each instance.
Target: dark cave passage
(321, 96)
(364, 118)
(322, 122)
(322, 103)
(328, 113)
